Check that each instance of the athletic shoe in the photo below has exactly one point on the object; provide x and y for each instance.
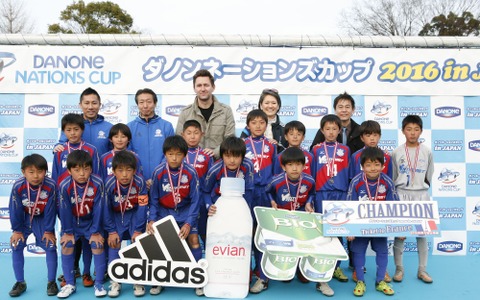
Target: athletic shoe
(398, 276)
(338, 274)
(325, 289)
(66, 291)
(18, 289)
(155, 290)
(52, 288)
(259, 286)
(385, 288)
(138, 290)
(360, 289)
(199, 292)
(423, 276)
(100, 291)
(87, 280)
(114, 289)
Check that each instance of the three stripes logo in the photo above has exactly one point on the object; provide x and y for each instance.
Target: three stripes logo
(161, 258)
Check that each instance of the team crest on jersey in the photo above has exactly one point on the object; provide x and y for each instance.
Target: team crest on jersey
(382, 189)
(90, 192)
(303, 188)
(133, 191)
(340, 152)
(158, 133)
(241, 175)
(266, 149)
(184, 179)
(201, 158)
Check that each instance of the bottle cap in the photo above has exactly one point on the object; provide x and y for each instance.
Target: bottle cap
(231, 184)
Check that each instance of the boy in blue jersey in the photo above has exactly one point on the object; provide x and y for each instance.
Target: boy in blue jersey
(330, 170)
(294, 135)
(198, 158)
(32, 209)
(120, 137)
(126, 212)
(149, 132)
(371, 185)
(291, 189)
(175, 192)
(81, 205)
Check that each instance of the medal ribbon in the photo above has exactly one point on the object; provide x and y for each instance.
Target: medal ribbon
(255, 152)
(295, 200)
(121, 201)
(83, 198)
(226, 171)
(330, 162)
(69, 149)
(175, 190)
(368, 188)
(195, 160)
(411, 169)
(32, 212)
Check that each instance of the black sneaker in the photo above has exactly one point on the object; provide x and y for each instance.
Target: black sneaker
(18, 289)
(52, 288)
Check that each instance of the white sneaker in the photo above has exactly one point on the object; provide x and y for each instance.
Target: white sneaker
(325, 289)
(199, 292)
(100, 291)
(66, 291)
(138, 290)
(155, 290)
(114, 290)
(259, 286)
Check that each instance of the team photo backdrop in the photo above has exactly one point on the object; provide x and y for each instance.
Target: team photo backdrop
(40, 84)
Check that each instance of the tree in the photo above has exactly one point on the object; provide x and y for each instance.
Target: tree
(14, 19)
(400, 17)
(95, 17)
(452, 25)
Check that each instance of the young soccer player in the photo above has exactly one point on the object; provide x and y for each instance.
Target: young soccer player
(126, 212)
(175, 192)
(294, 135)
(371, 185)
(120, 137)
(201, 161)
(292, 189)
(81, 205)
(263, 153)
(412, 174)
(32, 209)
(330, 170)
(73, 126)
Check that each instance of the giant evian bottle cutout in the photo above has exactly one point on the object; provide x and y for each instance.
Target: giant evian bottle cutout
(229, 243)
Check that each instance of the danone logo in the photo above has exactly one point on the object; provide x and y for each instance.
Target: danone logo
(474, 145)
(32, 248)
(448, 112)
(161, 258)
(174, 110)
(4, 213)
(314, 111)
(41, 110)
(450, 246)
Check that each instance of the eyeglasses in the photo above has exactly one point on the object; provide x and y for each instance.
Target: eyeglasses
(270, 91)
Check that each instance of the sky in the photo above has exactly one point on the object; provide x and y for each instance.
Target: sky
(276, 17)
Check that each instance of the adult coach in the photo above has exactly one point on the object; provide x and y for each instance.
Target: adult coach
(344, 106)
(215, 117)
(96, 128)
(149, 131)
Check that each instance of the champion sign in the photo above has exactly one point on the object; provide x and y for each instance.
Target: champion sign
(450, 246)
(314, 111)
(41, 110)
(474, 145)
(174, 110)
(448, 112)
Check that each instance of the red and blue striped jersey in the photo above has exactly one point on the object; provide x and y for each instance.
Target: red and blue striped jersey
(331, 167)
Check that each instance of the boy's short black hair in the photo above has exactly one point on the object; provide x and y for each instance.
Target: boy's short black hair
(175, 142)
(372, 154)
(292, 154)
(412, 119)
(72, 118)
(35, 160)
(146, 91)
(331, 118)
(79, 158)
(124, 158)
(370, 127)
(234, 146)
(294, 125)
(344, 96)
(120, 127)
(90, 91)
(256, 113)
(192, 123)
